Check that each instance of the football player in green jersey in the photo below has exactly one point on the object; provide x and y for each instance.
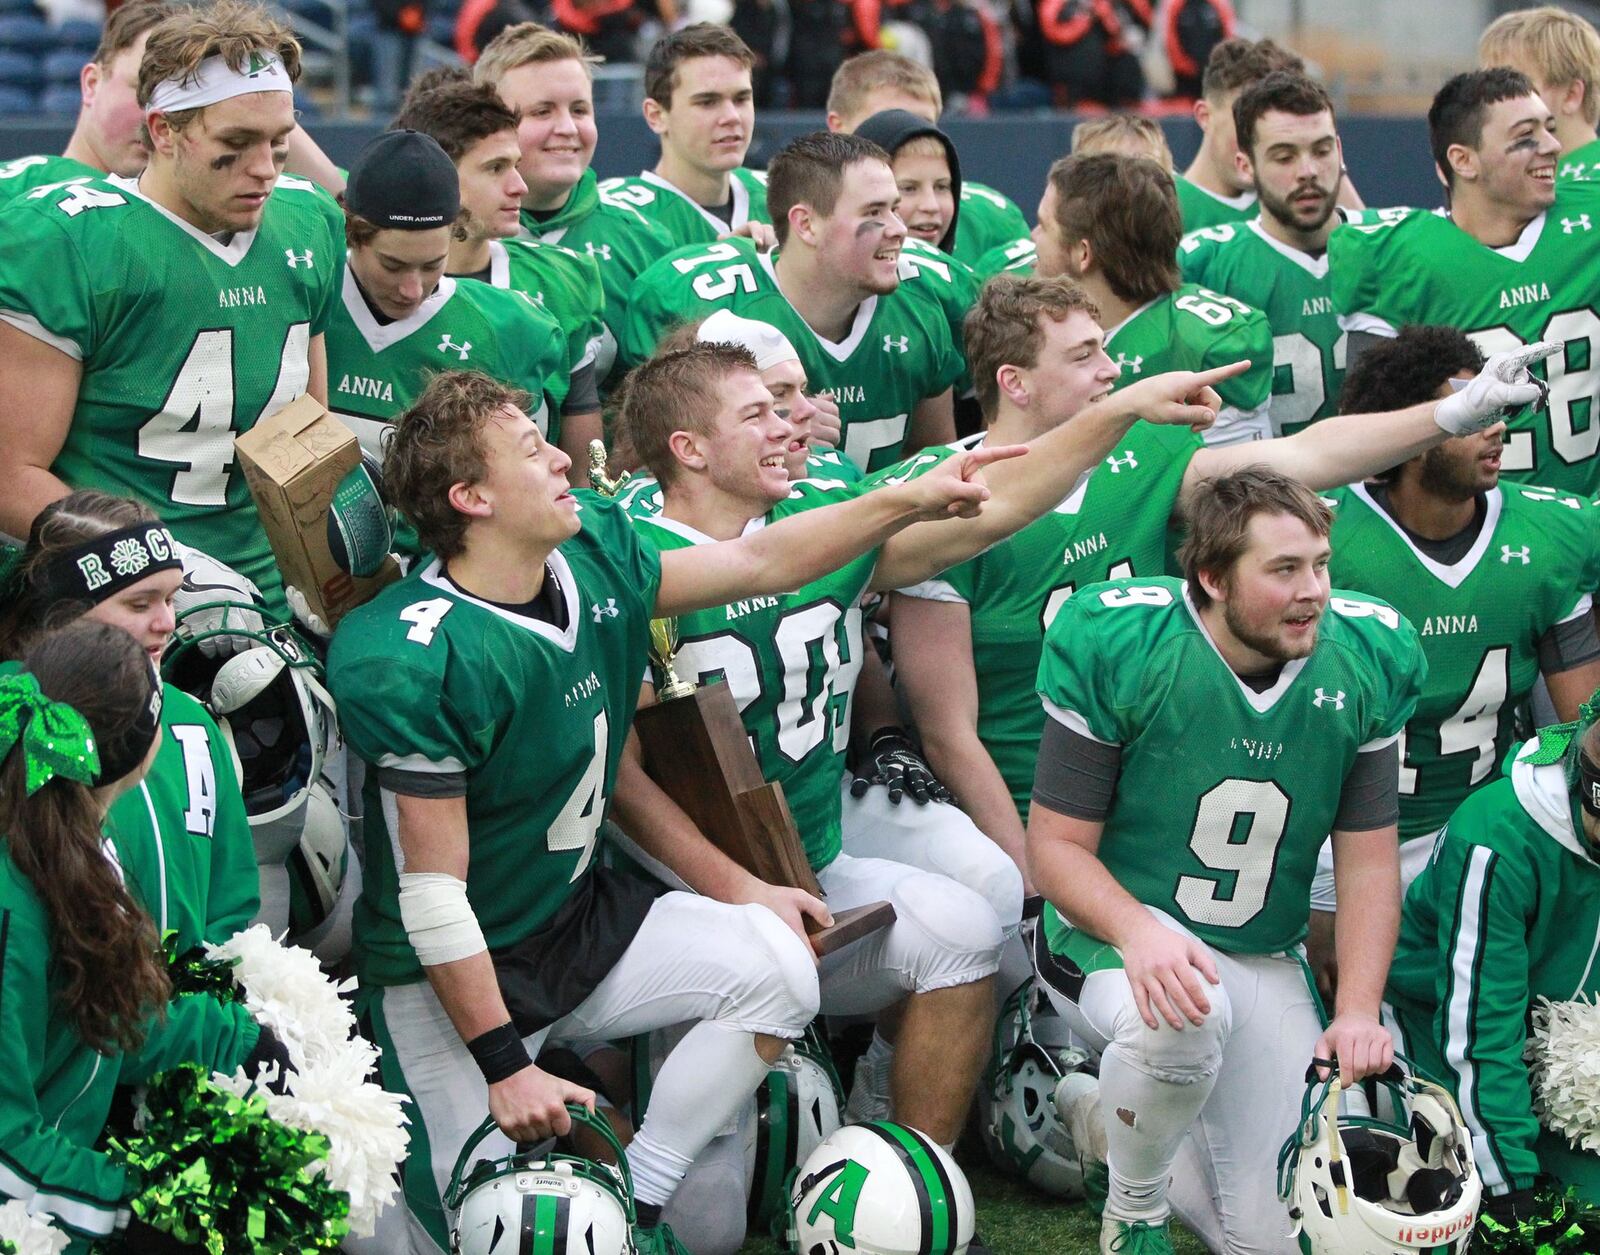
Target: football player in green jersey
(698, 100)
(880, 347)
(145, 322)
(1499, 581)
(1514, 261)
(1503, 917)
(1176, 850)
(473, 126)
(490, 694)
(968, 643)
(401, 318)
(872, 82)
(1213, 189)
(1278, 261)
(544, 78)
(1111, 222)
(1560, 54)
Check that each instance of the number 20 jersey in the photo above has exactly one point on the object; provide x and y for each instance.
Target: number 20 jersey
(1225, 794)
(1399, 266)
(443, 695)
(184, 342)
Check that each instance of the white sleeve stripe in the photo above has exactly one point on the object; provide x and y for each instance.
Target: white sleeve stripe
(1383, 742)
(85, 1217)
(1582, 607)
(31, 326)
(1369, 323)
(1463, 959)
(421, 765)
(1072, 720)
(933, 590)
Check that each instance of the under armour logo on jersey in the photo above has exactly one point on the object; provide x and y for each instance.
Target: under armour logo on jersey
(447, 345)
(1324, 697)
(602, 251)
(1580, 223)
(903, 343)
(1126, 462)
(296, 260)
(1573, 169)
(1523, 555)
(607, 611)
(1133, 365)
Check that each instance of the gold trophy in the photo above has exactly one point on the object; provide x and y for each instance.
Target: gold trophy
(695, 747)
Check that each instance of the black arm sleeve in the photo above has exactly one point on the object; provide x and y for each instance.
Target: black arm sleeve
(1076, 775)
(1358, 343)
(1371, 794)
(583, 393)
(1568, 645)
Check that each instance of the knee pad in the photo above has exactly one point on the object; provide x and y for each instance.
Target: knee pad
(781, 974)
(944, 934)
(1183, 1058)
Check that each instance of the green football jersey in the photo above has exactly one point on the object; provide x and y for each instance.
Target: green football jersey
(444, 695)
(898, 350)
(1201, 208)
(791, 662)
(1506, 913)
(988, 219)
(1195, 328)
(184, 343)
(1534, 565)
(182, 837)
(622, 243)
(1115, 524)
(376, 370)
(1222, 834)
(1582, 162)
(564, 284)
(1411, 266)
(682, 219)
(640, 497)
(24, 174)
(949, 284)
(1020, 257)
(1291, 288)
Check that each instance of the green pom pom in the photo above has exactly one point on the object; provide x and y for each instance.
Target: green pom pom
(193, 973)
(213, 1169)
(1562, 1225)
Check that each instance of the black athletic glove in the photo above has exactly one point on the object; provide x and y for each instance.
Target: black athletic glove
(269, 1050)
(892, 760)
(140, 1239)
(1509, 1209)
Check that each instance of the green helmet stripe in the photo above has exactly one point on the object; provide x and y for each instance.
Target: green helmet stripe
(777, 1144)
(932, 1187)
(544, 1224)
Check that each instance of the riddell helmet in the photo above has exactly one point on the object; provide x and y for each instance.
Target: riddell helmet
(1362, 1186)
(797, 1106)
(542, 1201)
(879, 1189)
(1022, 1130)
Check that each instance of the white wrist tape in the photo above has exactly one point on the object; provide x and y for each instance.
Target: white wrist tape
(438, 919)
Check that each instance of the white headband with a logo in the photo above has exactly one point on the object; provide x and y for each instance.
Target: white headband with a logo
(216, 80)
(764, 342)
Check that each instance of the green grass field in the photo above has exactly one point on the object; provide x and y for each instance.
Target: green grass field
(1015, 1220)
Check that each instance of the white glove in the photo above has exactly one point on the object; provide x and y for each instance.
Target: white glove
(205, 580)
(304, 615)
(1502, 387)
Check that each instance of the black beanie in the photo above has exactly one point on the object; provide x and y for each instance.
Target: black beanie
(404, 181)
(893, 129)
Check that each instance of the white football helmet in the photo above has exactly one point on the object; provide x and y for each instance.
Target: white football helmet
(797, 1106)
(542, 1201)
(1362, 1186)
(1023, 1131)
(879, 1189)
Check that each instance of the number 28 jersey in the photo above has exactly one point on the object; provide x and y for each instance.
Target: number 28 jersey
(1225, 794)
(184, 342)
(443, 695)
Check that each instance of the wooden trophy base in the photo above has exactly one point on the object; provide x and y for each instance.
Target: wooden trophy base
(695, 747)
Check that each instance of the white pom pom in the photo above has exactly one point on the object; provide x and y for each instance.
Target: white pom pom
(1564, 1056)
(286, 990)
(31, 1235)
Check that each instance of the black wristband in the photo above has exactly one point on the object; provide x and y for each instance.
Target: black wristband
(499, 1053)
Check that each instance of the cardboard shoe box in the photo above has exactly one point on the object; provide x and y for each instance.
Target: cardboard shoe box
(293, 462)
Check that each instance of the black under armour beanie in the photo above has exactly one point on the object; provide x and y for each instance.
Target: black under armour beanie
(893, 129)
(404, 181)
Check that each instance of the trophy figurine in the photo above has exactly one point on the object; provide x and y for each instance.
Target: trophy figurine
(695, 747)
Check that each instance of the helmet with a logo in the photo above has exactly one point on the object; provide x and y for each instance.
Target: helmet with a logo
(797, 1106)
(545, 1200)
(1023, 1130)
(879, 1189)
(1362, 1185)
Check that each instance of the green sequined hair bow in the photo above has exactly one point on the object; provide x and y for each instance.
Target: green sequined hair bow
(55, 739)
